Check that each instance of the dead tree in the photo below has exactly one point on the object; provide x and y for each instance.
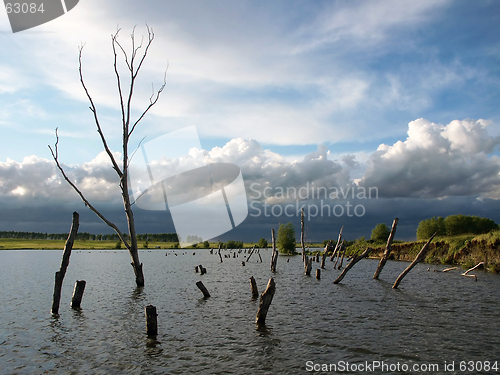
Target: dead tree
(302, 243)
(354, 260)
(420, 257)
(327, 247)
(387, 251)
(274, 256)
(134, 63)
(338, 249)
(337, 244)
(64, 263)
(265, 301)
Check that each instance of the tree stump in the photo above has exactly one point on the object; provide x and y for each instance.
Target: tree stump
(318, 274)
(253, 285)
(76, 301)
(204, 290)
(265, 301)
(151, 320)
(56, 299)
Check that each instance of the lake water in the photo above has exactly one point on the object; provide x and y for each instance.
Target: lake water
(433, 319)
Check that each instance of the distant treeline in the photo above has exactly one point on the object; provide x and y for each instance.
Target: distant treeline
(455, 225)
(84, 236)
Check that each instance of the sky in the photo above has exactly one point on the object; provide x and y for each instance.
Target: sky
(376, 109)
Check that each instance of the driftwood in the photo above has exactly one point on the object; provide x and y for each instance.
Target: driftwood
(253, 285)
(265, 301)
(274, 256)
(204, 290)
(466, 273)
(420, 257)
(64, 263)
(472, 269)
(450, 269)
(387, 251)
(151, 320)
(351, 264)
(76, 301)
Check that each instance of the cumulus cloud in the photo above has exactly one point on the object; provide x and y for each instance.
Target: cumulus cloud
(38, 179)
(437, 161)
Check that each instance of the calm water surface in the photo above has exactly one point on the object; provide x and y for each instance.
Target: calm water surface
(433, 318)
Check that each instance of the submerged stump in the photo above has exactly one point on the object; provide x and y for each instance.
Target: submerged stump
(151, 320)
(265, 301)
(76, 301)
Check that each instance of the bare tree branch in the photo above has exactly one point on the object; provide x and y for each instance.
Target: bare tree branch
(55, 155)
(96, 119)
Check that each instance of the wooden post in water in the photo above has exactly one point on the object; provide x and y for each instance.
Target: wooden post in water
(420, 257)
(343, 249)
(151, 320)
(318, 274)
(220, 256)
(339, 251)
(56, 299)
(387, 251)
(76, 301)
(302, 244)
(253, 285)
(274, 256)
(337, 244)
(265, 301)
(204, 290)
(308, 266)
(327, 247)
(351, 264)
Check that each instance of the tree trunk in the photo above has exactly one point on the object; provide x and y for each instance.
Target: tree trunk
(64, 263)
(265, 301)
(302, 234)
(76, 301)
(327, 247)
(274, 256)
(351, 264)
(419, 258)
(387, 251)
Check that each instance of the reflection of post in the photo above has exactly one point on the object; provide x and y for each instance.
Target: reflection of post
(265, 301)
(419, 258)
(64, 263)
(387, 251)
